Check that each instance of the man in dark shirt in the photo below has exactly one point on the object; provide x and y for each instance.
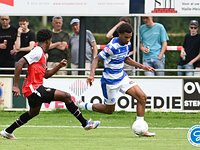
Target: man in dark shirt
(7, 39)
(189, 53)
(58, 47)
(25, 40)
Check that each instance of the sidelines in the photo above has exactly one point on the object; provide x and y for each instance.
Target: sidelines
(103, 127)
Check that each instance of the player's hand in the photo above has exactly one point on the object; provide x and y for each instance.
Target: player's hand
(16, 91)
(148, 68)
(90, 79)
(63, 63)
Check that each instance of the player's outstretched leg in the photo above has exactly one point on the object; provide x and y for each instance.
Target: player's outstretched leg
(73, 109)
(87, 124)
(8, 132)
(91, 124)
(7, 135)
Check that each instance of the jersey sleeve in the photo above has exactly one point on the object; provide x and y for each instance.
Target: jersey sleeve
(34, 55)
(106, 52)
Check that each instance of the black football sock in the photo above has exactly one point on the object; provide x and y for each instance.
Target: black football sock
(24, 118)
(76, 112)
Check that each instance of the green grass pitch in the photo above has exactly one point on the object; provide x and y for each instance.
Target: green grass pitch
(59, 130)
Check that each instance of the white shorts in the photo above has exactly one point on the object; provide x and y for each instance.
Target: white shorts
(110, 92)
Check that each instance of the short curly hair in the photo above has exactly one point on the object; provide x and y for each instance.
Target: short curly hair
(125, 27)
(44, 35)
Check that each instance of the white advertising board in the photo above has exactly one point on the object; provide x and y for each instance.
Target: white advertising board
(99, 7)
(64, 7)
(163, 94)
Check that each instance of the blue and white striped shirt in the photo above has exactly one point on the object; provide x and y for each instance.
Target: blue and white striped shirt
(114, 55)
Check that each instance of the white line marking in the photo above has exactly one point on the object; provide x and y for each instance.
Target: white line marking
(104, 127)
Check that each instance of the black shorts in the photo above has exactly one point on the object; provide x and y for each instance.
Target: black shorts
(41, 95)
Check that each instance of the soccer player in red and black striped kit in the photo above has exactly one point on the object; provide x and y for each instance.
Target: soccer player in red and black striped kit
(34, 90)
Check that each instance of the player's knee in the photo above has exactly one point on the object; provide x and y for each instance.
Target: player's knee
(67, 98)
(143, 99)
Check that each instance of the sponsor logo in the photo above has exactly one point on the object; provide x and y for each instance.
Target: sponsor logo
(193, 135)
(164, 6)
(191, 99)
(106, 49)
(78, 87)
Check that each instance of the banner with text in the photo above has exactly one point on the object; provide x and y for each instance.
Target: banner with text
(64, 8)
(191, 94)
(163, 94)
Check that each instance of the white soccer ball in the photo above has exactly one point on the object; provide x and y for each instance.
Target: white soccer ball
(139, 127)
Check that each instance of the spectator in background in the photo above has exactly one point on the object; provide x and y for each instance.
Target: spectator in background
(197, 65)
(113, 33)
(91, 47)
(191, 48)
(153, 44)
(7, 39)
(59, 45)
(25, 41)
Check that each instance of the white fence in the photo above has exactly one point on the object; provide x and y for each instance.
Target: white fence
(166, 94)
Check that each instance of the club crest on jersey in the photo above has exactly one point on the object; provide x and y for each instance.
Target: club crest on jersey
(106, 49)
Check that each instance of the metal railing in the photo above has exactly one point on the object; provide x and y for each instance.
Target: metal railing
(134, 70)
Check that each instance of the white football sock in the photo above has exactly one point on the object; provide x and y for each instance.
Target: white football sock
(139, 118)
(87, 106)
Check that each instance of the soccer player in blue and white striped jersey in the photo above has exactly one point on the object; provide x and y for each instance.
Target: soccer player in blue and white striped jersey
(114, 78)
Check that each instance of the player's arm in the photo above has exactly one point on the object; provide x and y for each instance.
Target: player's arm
(18, 70)
(51, 72)
(132, 62)
(95, 61)
(94, 49)
(109, 35)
